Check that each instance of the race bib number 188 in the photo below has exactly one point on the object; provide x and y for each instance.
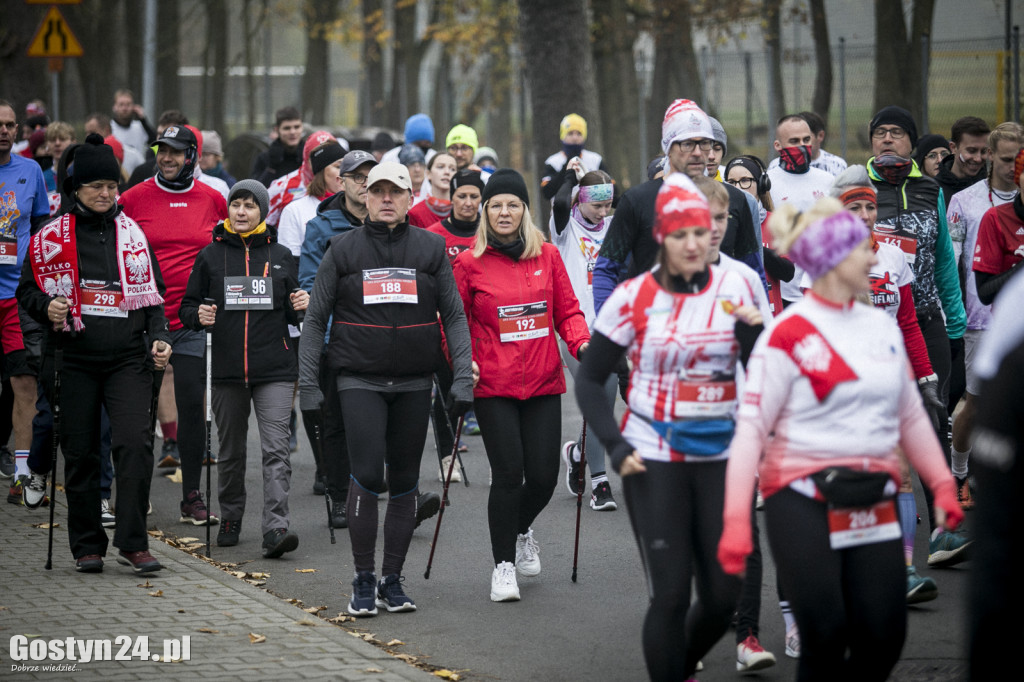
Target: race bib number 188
(389, 285)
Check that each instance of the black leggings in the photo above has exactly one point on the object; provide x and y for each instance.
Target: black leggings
(676, 511)
(933, 329)
(189, 397)
(850, 604)
(383, 429)
(522, 441)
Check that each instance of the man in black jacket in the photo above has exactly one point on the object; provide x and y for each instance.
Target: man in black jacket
(285, 153)
(967, 164)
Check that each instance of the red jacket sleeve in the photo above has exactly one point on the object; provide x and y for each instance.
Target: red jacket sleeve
(917, 351)
(569, 319)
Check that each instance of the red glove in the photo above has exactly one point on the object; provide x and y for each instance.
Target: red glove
(945, 499)
(734, 547)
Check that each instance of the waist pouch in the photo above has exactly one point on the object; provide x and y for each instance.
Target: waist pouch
(696, 437)
(844, 487)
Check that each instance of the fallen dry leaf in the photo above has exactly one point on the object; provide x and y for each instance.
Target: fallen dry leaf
(315, 609)
(44, 524)
(158, 593)
(305, 570)
(3, 608)
(305, 622)
(156, 533)
(407, 658)
(175, 477)
(446, 674)
(341, 618)
(295, 601)
(209, 630)
(187, 540)
(259, 576)
(395, 642)
(181, 610)
(256, 639)
(238, 574)
(145, 584)
(374, 670)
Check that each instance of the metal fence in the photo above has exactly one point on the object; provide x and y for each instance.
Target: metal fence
(968, 77)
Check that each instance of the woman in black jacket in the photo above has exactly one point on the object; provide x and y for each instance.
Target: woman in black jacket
(90, 277)
(253, 282)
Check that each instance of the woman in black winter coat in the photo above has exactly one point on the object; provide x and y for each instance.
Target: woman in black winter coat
(253, 283)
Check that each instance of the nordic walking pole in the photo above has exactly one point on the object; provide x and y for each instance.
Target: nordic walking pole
(209, 420)
(154, 401)
(579, 496)
(448, 426)
(436, 427)
(58, 362)
(444, 498)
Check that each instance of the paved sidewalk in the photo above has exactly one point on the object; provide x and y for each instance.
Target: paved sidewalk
(60, 604)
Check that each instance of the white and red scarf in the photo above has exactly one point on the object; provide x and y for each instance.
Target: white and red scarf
(54, 257)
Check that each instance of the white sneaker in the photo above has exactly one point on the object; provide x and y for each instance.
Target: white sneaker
(503, 583)
(34, 491)
(751, 656)
(793, 641)
(445, 463)
(527, 554)
(107, 518)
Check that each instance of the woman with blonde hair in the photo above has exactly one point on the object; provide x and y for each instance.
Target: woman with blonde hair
(517, 294)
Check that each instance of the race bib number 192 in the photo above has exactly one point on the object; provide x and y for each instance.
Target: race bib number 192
(521, 322)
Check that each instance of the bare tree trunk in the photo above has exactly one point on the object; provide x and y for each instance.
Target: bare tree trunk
(613, 36)
(676, 73)
(556, 46)
(168, 84)
(134, 25)
(898, 62)
(252, 29)
(376, 107)
(822, 101)
(93, 72)
(773, 41)
(21, 77)
(217, 32)
(316, 79)
(409, 52)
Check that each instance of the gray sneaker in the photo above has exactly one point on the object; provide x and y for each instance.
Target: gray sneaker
(7, 466)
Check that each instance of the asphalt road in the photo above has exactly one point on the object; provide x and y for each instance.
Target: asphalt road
(560, 630)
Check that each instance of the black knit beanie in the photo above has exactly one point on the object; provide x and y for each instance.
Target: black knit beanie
(506, 181)
(467, 177)
(324, 155)
(93, 161)
(896, 116)
(928, 143)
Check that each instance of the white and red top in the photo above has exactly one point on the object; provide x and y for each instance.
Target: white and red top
(1000, 240)
(579, 246)
(683, 352)
(830, 385)
(283, 191)
(177, 225)
(966, 209)
(453, 243)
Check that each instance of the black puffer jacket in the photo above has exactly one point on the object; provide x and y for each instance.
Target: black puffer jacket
(102, 338)
(249, 346)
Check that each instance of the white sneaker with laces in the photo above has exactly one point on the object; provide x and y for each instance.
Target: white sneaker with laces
(527, 554)
(34, 491)
(107, 518)
(445, 463)
(503, 583)
(793, 641)
(751, 656)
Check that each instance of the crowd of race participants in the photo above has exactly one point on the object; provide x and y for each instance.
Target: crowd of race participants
(791, 336)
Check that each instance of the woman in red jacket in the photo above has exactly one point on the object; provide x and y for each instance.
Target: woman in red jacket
(517, 295)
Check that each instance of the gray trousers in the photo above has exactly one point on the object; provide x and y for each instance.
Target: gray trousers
(273, 405)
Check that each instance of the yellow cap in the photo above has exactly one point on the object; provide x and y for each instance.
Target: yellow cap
(572, 122)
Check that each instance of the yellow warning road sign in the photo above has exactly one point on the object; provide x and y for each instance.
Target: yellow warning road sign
(54, 38)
